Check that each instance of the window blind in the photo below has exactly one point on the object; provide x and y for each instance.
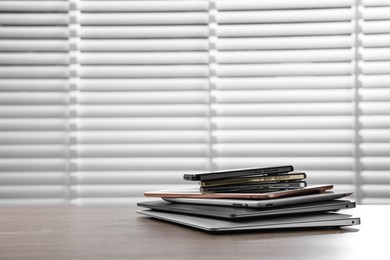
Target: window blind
(285, 87)
(34, 102)
(103, 100)
(373, 99)
(142, 97)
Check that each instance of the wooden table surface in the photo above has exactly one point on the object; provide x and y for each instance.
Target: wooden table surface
(121, 233)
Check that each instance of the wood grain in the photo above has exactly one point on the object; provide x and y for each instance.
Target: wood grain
(121, 233)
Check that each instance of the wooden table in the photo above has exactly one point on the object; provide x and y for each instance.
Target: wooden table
(121, 233)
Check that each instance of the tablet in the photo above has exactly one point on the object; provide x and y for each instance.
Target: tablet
(263, 203)
(237, 213)
(196, 193)
(217, 225)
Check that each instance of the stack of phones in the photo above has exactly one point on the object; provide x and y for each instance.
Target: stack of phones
(251, 199)
(250, 180)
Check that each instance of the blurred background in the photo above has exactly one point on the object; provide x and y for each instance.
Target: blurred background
(101, 101)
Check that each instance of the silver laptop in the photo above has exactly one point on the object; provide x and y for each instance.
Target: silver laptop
(237, 213)
(294, 221)
(263, 203)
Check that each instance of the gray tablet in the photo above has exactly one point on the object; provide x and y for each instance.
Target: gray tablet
(252, 203)
(237, 213)
(295, 221)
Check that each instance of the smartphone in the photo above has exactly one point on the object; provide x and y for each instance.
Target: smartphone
(237, 173)
(264, 187)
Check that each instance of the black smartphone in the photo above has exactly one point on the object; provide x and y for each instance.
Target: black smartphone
(266, 187)
(237, 173)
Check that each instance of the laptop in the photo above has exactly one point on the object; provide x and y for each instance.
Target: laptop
(263, 203)
(238, 213)
(291, 221)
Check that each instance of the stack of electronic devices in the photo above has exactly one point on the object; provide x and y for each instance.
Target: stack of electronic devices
(251, 199)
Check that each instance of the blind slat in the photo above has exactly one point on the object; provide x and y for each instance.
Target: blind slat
(375, 2)
(33, 165)
(144, 18)
(295, 82)
(279, 4)
(143, 6)
(144, 150)
(142, 164)
(33, 124)
(104, 32)
(34, 59)
(30, 151)
(31, 192)
(34, 6)
(375, 149)
(283, 96)
(29, 137)
(160, 97)
(136, 178)
(158, 123)
(277, 43)
(116, 45)
(377, 67)
(43, 45)
(24, 111)
(285, 136)
(376, 27)
(33, 98)
(375, 81)
(284, 56)
(303, 163)
(144, 136)
(299, 69)
(376, 40)
(21, 178)
(34, 19)
(34, 72)
(281, 149)
(147, 84)
(172, 71)
(250, 30)
(375, 135)
(284, 122)
(376, 13)
(283, 109)
(145, 110)
(34, 32)
(284, 16)
(93, 58)
(376, 54)
(34, 84)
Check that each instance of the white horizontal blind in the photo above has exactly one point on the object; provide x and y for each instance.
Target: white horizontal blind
(142, 97)
(374, 105)
(33, 102)
(285, 87)
(103, 100)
